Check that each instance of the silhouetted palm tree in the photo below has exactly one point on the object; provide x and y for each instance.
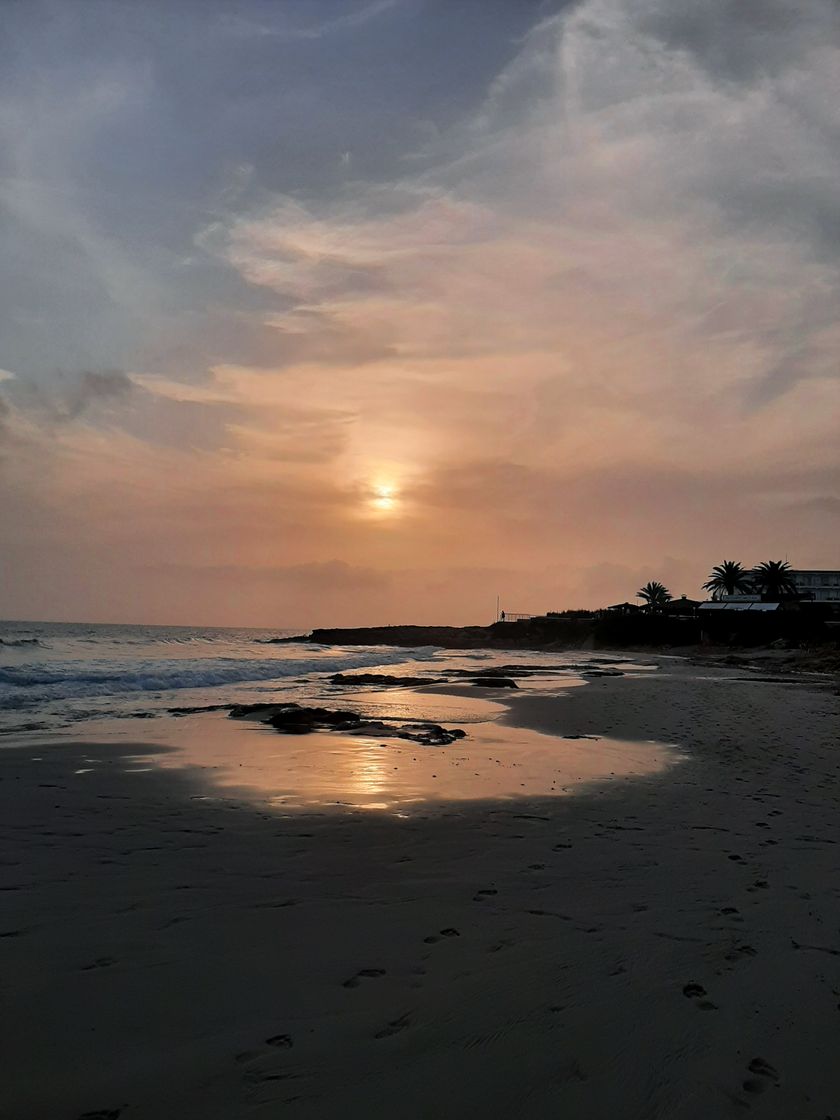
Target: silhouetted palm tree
(727, 578)
(656, 595)
(773, 579)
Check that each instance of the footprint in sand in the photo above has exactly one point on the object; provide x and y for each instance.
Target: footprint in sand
(433, 938)
(763, 1069)
(505, 943)
(259, 1076)
(364, 974)
(280, 1041)
(693, 990)
(100, 962)
(764, 1073)
(697, 991)
(479, 896)
(394, 1027)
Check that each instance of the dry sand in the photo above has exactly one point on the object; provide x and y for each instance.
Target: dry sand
(662, 946)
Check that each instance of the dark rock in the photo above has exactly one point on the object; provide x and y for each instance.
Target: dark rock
(509, 671)
(293, 719)
(384, 679)
(257, 711)
(493, 682)
(193, 709)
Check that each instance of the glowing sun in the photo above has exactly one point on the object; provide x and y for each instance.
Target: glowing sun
(384, 498)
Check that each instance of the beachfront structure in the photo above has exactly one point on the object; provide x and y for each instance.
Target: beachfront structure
(682, 607)
(739, 603)
(821, 586)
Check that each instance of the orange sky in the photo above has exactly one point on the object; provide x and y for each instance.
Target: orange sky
(581, 337)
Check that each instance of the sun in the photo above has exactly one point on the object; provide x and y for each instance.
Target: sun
(384, 497)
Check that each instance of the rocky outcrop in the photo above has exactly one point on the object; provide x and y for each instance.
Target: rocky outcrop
(604, 631)
(448, 637)
(294, 719)
(384, 680)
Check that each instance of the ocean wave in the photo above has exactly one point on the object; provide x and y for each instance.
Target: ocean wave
(24, 686)
(20, 642)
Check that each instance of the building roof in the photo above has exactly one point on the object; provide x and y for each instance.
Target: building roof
(732, 605)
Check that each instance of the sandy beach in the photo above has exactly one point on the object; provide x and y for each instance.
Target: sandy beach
(660, 945)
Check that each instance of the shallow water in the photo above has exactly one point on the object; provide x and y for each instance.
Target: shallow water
(332, 771)
(92, 683)
(54, 675)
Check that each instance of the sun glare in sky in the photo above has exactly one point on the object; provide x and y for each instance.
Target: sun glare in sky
(384, 498)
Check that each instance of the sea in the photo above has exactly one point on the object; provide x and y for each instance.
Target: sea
(142, 697)
(56, 674)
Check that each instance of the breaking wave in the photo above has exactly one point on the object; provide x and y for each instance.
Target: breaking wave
(24, 686)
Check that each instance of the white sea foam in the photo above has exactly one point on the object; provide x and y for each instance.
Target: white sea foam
(33, 683)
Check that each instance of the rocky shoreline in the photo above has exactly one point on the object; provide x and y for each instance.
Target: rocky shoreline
(586, 635)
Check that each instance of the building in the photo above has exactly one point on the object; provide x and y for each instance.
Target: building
(739, 604)
(681, 608)
(623, 608)
(821, 586)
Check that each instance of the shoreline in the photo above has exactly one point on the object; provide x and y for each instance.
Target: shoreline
(660, 946)
(795, 641)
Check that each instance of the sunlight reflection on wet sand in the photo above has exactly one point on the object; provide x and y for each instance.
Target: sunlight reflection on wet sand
(323, 769)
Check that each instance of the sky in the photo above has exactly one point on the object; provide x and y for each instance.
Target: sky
(336, 312)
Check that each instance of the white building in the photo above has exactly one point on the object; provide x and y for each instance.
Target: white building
(821, 586)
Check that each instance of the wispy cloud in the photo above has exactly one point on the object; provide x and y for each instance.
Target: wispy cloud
(287, 30)
(587, 330)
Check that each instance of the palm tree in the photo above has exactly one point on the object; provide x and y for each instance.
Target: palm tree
(727, 578)
(656, 595)
(773, 580)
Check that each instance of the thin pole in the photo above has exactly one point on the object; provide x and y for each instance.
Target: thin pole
(497, 608)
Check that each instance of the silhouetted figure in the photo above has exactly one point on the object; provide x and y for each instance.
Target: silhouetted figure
(502, 616)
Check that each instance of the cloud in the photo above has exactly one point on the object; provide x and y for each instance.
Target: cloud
(334, 577)
(741, 42)
(638, 214)
(238, 25)
(94, 386)
(584, 324)
(71, 396)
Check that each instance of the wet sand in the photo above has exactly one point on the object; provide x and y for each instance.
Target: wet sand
(497, 760)
(666, 945)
